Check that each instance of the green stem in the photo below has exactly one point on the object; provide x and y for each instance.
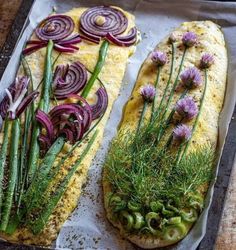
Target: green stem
(101, 60)
(15, 221)
(170, 77)
(41, 175)
(155, 97)
(142, 116)
(175, 83)
(3, 156)
(24, 148)
(13, 166)
(44, 106)
(42, 217)
(168, 120)
(198, 115)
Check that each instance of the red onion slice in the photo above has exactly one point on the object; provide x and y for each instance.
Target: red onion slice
(46, 123)
(64, 49)
(101, 105)
(44, 142)
(69, 80)
(26, 102)
(55, 27)
(124, 41)
(111, 20)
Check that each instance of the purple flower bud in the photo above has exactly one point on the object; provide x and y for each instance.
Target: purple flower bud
(181, 133)
(189, 39)
(172, 38)
(206, 61)
(159, 57)
(191, 78)
(186, 108)
(148, 92)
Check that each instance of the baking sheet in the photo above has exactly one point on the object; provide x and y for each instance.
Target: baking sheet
(88, 228)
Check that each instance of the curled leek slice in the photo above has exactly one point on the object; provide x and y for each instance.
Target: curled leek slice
(117, 203)
(156, 206)
(175, 232)
(138, 220)
(153, 222)
(171, 207)
(126, 220)
(174, 220)
(189, 214)
(167, 213)
(133, 206)
(196, 201)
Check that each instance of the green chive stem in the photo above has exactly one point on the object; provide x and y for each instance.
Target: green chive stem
(3, 156)
(175, 83)
(101, 60)
(142, 116)
(13, 167)
(44, 106)
(155, 97)
(198, 115)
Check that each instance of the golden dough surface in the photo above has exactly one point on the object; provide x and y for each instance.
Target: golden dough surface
(210, 40)
(111, 75)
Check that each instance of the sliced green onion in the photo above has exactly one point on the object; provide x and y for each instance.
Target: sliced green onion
(117, 203)
(156, 206)
(175, 232)
(138, 220)
(167, 213)
(189, 214)
(153, 221)
(133, 206)
(126, 220)
(174, 220)
(196, 201)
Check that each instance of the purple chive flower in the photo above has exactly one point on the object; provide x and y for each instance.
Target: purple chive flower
(181, 133)
(148, 92)
(206, 61)
(159, 57)
(189, 39)
(191, 78)
(186, 108)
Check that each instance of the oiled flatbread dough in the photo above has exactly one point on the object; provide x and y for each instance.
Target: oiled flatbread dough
(111, 75)
(210, 40)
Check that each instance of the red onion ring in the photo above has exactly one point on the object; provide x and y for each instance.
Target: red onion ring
(55, 27)
(115, 21)
(69, 80)
(101, 105)
(123, 41)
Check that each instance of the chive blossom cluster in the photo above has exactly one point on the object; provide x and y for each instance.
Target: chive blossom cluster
(159, 58)
(148, 92)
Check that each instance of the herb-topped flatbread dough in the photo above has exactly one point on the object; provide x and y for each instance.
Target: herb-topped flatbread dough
(157, 173)
(111, 76)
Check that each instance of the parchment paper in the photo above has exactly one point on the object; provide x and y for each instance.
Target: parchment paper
(87, 228)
